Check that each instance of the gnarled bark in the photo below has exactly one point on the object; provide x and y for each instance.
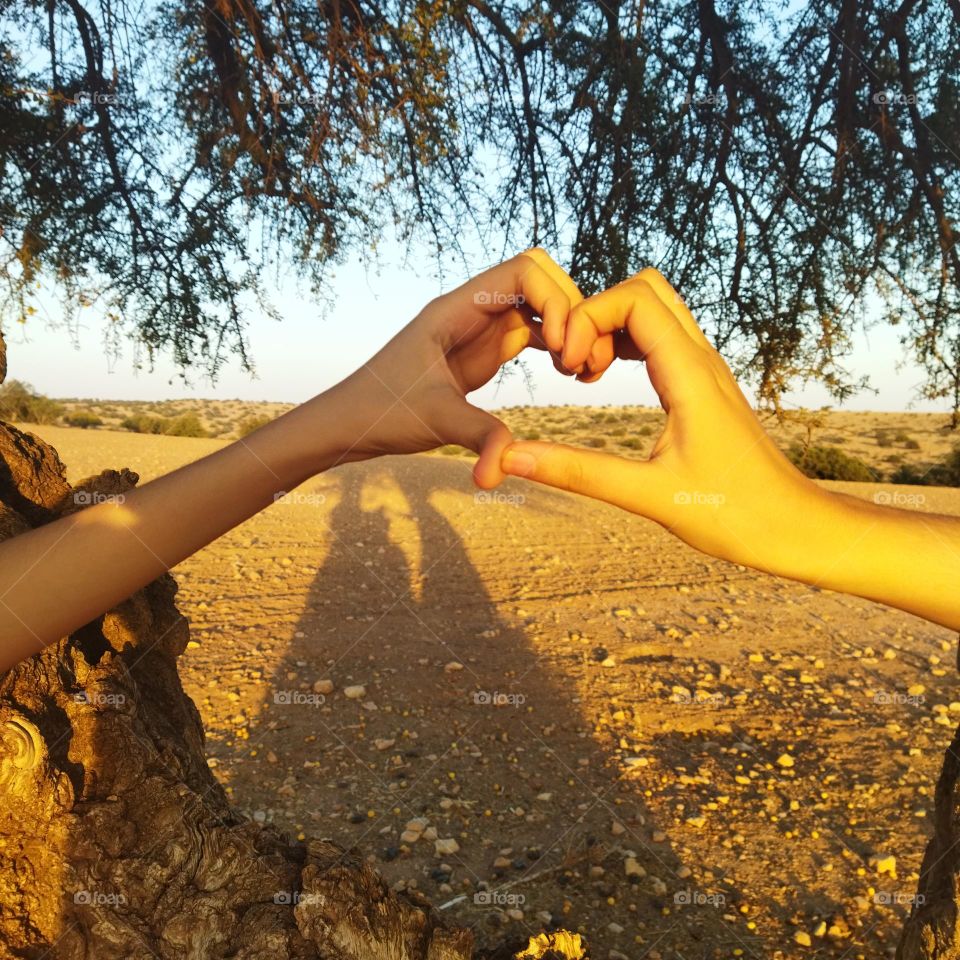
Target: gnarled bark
(932, 931)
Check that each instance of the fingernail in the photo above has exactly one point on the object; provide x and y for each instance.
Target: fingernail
(518, 463)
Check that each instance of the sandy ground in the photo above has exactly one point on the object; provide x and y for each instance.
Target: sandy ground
(883, 441)
(675, 755)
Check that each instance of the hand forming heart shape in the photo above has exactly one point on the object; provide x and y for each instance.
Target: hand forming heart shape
(708, 469)
(714, 477)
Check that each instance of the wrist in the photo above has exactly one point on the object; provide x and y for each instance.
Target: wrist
(802, 539)
(313, 437)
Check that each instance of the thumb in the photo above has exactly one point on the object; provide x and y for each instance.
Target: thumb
(630, 484)
(463, 423)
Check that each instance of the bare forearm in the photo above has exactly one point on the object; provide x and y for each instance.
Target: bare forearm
(93, 559)
(903, 558)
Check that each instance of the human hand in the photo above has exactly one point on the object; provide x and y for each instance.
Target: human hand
(410, 396)
(714, 477)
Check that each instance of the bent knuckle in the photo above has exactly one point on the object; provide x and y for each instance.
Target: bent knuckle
(650, 273)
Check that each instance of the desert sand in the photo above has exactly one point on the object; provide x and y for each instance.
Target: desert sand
(566, 715)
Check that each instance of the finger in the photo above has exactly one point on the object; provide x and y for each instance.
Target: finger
(558, 365)
(554, 320)
(519, 281)
(553, 310)
(556, 272)
(579, 337)
(672, 357)
(464, 424)
(662, 288)
(565, 282)
(601, 357)
(632, 485)
(518, 330)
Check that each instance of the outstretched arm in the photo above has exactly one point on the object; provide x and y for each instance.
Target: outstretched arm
(409, 397)
(717, 480)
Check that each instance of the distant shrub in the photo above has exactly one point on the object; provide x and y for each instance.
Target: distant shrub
(946, 474)
(883, 438)
(18, 401)
(911, 444)
(82, 419)
(618, 432)
(144, 423)
(907, 473)
(646, 430)
(595, 442)
(248, 424)
(632, 443)
(829, 463)
(951, 467)
(186, 425)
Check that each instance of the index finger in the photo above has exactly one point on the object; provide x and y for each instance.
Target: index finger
(555, 327)
(556, 272)
(524, 282)
(663, 289)
(660, 338)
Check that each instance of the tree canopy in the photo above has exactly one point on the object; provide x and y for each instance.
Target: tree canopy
(788, 166)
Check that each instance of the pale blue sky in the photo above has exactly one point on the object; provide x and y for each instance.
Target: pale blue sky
(311, 350)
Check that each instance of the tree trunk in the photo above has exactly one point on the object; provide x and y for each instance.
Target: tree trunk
(932, 931)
